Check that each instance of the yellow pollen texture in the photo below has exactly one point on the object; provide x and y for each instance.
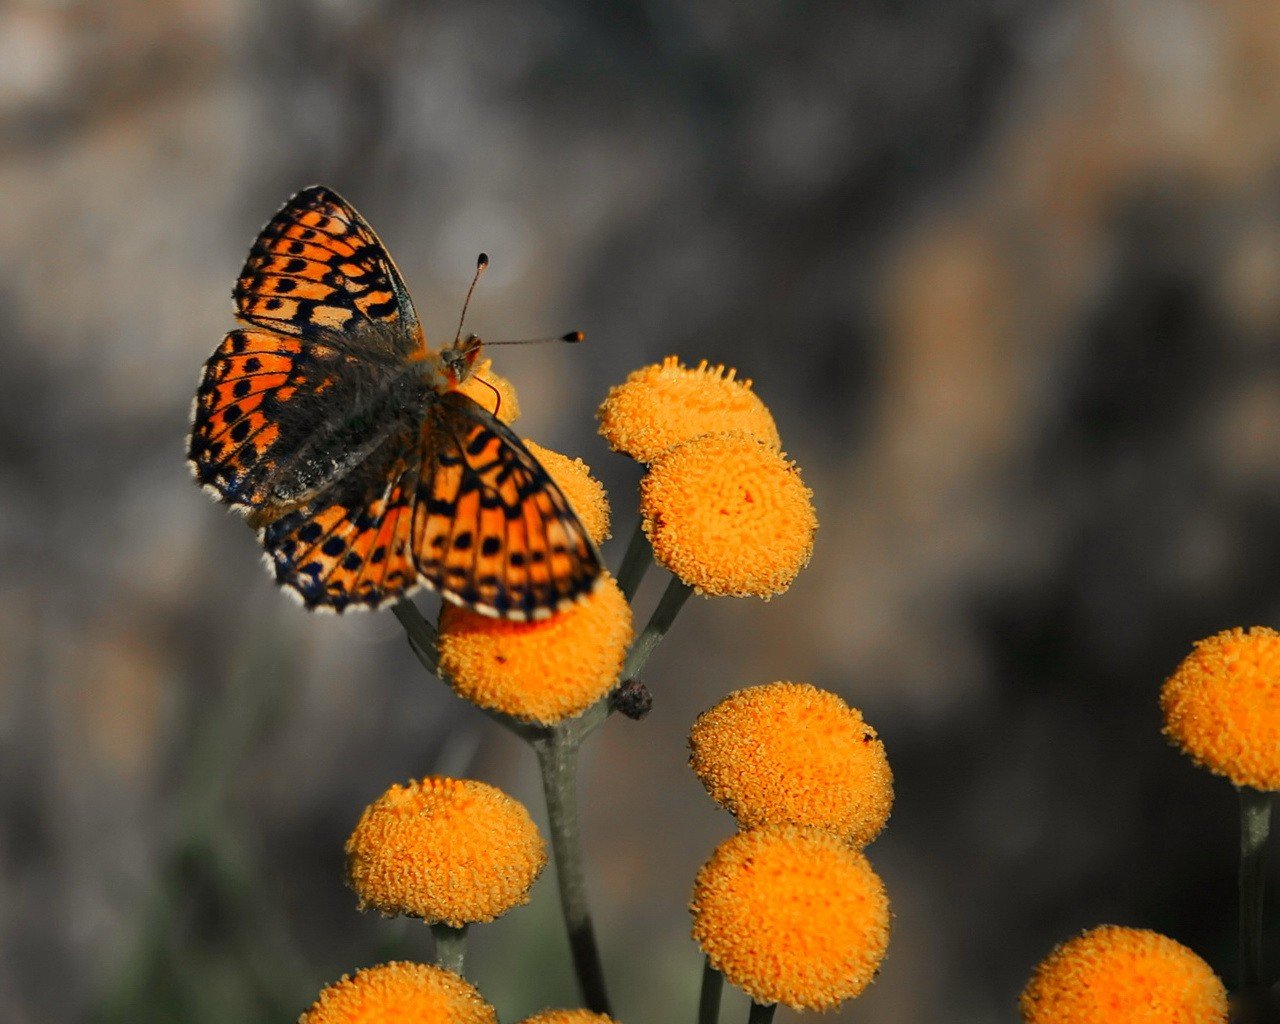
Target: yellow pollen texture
(658, 407)
(568, 1017)
(482, 384)
(1114, 975)
(1222, 706)
(585, 493)
(446, 850)
(790, 753)
(400, 993)
(729, 516)
(542, 671)
(790, 915)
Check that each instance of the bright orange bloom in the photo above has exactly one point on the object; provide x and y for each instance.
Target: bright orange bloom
(789, 753)
(658, 407)
(729, 516)
(1114, 975)
(400, 993)
(491, 390)
(585, 493)
(792, 916)
(568, 1017)
(1222, 706)
(542, 671)
(446, 850)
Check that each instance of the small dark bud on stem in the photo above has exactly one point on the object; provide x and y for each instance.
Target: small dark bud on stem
(632, 698)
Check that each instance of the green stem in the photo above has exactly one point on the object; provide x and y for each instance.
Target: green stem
(451, 946)
(422, 635)
(761, 1013)
(1255, 829)
(635, 562)
(709, 1000)
(673, 599)
(558, 759)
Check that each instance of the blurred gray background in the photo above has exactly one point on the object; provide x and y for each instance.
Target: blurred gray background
(1006, 272)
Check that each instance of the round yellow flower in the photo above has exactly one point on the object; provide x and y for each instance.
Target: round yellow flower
(729, 516)
(789, 753)
(491, 390)
(792, 916)
(585, 493)
(1222, 706)
(568, 1017)
(658, 407)
(446, 850)
(1113, 975)
(400, 993)
(542, 671)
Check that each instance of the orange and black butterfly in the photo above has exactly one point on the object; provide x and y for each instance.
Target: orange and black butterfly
(348, 445)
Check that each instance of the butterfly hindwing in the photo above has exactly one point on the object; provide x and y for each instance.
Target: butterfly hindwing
(234, 427)
(352, 545)
(319, 266)
(492, 530)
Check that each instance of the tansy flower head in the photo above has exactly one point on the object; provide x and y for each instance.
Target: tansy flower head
(791, 916)
(585, 493)
(729, 516)
(1114, 975)
(789, 753)
(400, 993)
(491, 390)
(541, 671)
(568, 1017)
(1222, 706)
(658, 407)
(446, 850)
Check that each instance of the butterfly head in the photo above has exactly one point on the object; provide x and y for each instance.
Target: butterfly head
(460, 358)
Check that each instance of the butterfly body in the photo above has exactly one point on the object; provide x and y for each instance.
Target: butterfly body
(347, 443)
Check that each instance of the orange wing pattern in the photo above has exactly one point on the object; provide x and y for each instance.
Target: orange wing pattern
(350, 547)
(233, 431)
(318, 265)
(491, 529)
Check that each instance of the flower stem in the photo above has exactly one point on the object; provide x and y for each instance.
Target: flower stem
(558, 759)
(635, 563)
(673, 599)
(451, 946)
(422, 635)
(709, 1000)
(761, 1013)
(1255, 829)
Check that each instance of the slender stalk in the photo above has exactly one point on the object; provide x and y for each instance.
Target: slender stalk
(673, 599)
(558, 759)
(422, 635)
(451, 946)
(709, 1000)
(761, 1013)
(635, 563)
(1255, 829)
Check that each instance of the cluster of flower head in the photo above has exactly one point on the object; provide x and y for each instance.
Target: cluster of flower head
(789, 909)
(1222, 708)
(727, 514)
(723, 508)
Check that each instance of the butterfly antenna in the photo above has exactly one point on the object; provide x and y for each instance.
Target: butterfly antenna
(482, 263)
(573, 337)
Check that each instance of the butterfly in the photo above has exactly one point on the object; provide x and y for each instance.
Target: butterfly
(350, 448)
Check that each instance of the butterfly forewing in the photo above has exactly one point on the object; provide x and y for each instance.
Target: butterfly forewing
(492, 531)
(318, 265)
